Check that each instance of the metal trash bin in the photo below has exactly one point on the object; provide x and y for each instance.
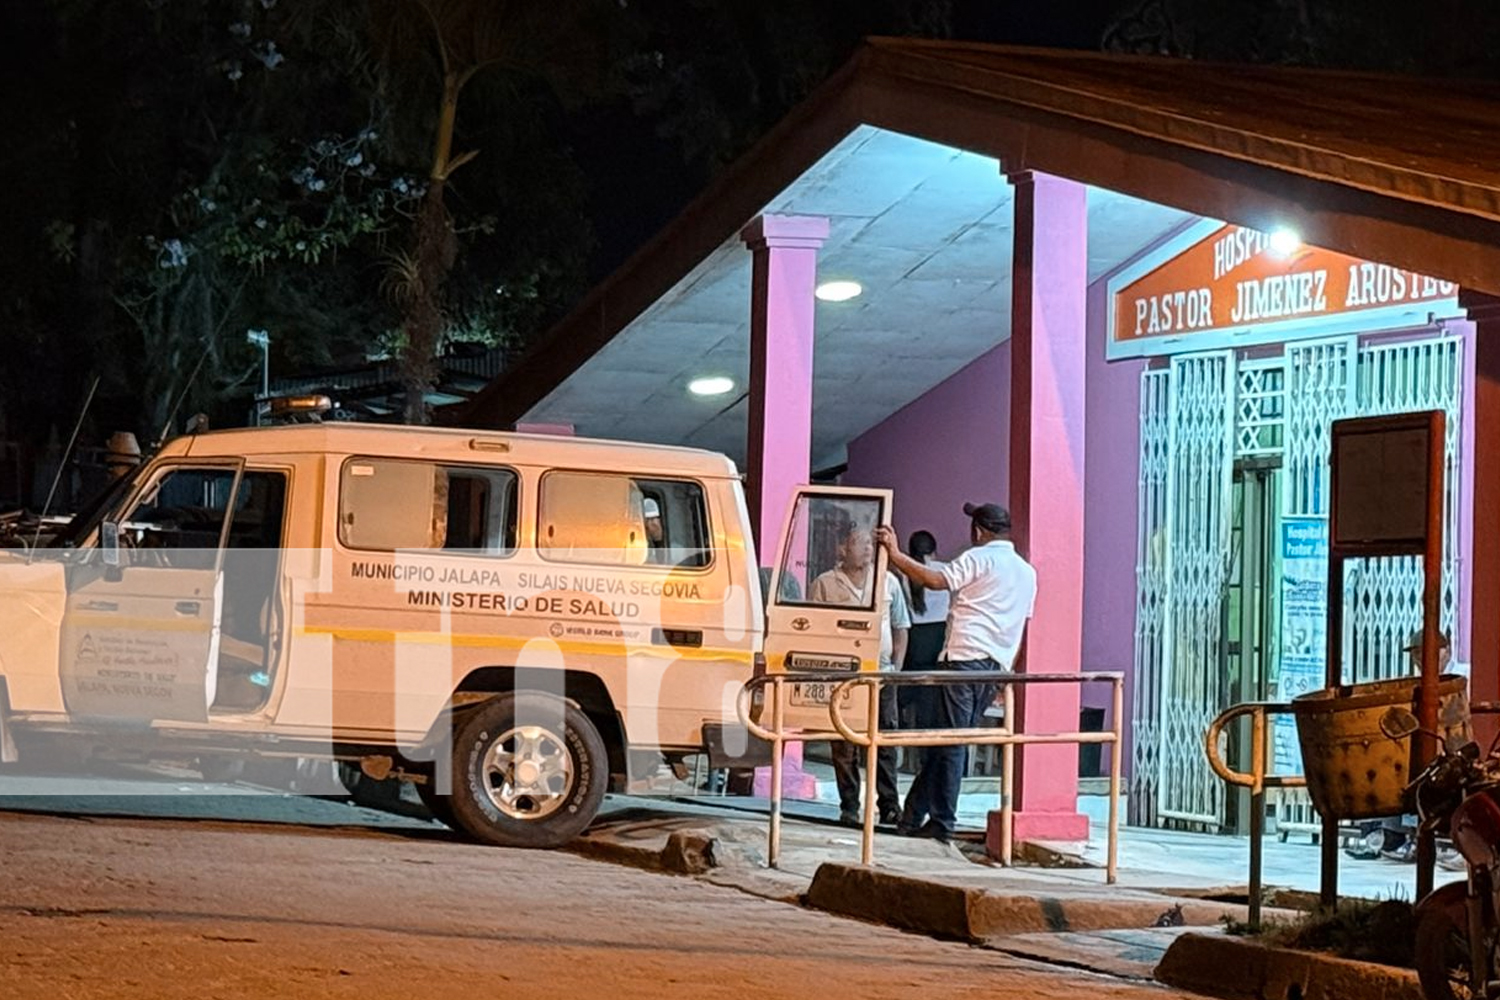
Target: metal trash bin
(1355, 771)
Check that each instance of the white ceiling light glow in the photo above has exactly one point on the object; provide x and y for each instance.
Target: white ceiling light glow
(710, 385)
(1285, 242)
(838, 291)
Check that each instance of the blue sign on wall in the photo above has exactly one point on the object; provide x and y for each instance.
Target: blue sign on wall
(1304, 626)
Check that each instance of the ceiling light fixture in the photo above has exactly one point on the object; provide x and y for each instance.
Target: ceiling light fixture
(838, 291)
(710, 385)
(1285, 242)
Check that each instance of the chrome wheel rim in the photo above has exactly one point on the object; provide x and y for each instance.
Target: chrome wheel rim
(527, 772)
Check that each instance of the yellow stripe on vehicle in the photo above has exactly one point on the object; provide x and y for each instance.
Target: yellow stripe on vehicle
(473, 641)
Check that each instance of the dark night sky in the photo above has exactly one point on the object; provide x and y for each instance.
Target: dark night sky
(1069, 24)
(639, 182)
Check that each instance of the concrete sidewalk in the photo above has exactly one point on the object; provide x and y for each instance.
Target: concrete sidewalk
(1148, 858)
(1063, 915)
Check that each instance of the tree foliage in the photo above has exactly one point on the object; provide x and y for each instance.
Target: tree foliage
(517, 48)
(1436, 38)
(360, 178)
(189, 170)
(205, 155)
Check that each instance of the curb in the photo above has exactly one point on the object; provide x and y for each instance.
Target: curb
(894, 900)
(687, 852)
(975, 915)
(1236, 969)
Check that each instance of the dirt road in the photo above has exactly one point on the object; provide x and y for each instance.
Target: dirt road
(121, 908)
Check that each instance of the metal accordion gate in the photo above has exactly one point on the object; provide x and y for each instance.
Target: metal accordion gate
(1196, 417)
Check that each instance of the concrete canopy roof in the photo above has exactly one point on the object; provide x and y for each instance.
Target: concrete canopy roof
(924, 228)
(900, 151)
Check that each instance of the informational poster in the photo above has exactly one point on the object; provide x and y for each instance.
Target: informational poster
(1304, 626)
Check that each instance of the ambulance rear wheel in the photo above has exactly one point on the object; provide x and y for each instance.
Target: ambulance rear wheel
(529, 770)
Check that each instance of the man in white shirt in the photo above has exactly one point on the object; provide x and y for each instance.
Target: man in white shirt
(895, 621)
(993, 591)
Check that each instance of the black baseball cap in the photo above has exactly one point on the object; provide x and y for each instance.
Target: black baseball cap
(990, 516)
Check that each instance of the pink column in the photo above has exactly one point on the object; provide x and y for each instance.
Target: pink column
(1048, 355)
(779, 456)
(779, 452)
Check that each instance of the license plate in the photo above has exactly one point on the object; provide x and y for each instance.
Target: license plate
(812, 694)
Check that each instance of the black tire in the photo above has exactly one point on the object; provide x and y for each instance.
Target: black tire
(555, 799)
(1441, 951)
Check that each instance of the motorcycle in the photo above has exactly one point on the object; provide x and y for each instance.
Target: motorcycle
(1458, 925)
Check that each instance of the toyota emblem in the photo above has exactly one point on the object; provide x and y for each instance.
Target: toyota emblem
(801, 624)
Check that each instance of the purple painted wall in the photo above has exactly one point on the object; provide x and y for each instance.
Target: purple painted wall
(1111, 464)
(949, 446)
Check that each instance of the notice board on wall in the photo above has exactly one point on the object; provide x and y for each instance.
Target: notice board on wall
(1382, 471)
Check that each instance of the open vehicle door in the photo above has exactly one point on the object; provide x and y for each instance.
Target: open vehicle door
(141, 629)
(828, 592)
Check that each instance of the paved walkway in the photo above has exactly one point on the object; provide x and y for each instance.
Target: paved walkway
(1148, 858)
(1065, 915)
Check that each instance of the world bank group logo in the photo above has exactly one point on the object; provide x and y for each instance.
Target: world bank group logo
(556, 630)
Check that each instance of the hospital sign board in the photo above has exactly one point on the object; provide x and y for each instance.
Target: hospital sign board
(1220, 285)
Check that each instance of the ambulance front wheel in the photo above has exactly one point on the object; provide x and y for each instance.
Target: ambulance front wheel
(529, 770)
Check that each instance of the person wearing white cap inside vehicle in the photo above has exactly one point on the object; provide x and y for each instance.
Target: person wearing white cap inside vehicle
(655, 537)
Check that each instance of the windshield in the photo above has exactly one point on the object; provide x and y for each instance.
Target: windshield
(88, 518)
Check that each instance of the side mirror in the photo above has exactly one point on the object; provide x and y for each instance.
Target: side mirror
(1398, 723)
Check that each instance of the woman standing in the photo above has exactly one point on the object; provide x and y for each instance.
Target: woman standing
(929, 625)
(929, 608)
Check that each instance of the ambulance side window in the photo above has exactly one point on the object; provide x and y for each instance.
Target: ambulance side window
(481, 511)
(680, 536)
(387, 505)
(589, 517)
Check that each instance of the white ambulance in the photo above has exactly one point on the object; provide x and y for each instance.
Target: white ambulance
(491, 616)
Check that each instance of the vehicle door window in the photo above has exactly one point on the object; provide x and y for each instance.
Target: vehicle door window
(250, 614)
(179, 520)
(829, 556)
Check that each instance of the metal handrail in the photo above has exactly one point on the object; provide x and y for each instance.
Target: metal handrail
(874, 740)
(1257, 780)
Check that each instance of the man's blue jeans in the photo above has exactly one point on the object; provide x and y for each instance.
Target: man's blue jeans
(933, 797)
